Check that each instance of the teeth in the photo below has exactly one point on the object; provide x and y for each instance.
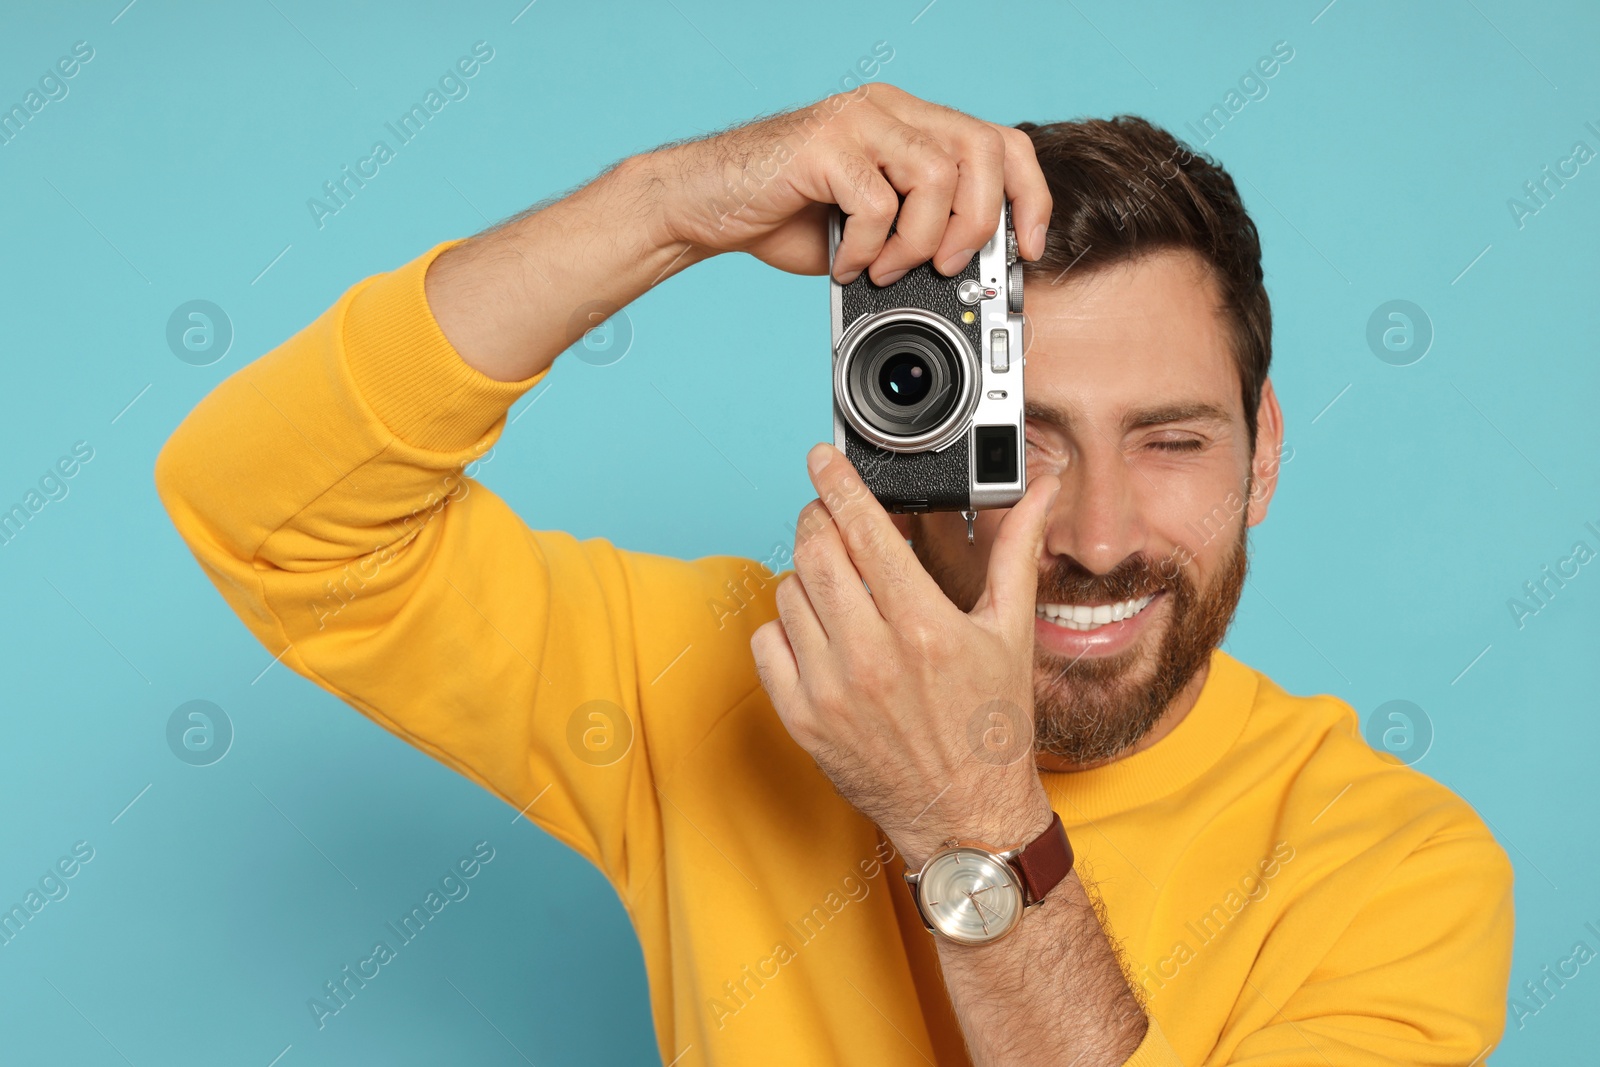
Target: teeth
(1091, 616)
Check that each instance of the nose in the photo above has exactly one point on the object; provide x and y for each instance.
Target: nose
(1097, 519)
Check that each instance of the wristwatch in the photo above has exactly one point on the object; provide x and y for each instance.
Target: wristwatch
(973, 895)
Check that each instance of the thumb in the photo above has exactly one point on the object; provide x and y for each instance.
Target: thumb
(1013, 578)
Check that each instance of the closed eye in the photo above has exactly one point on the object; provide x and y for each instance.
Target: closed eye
(1188, 444)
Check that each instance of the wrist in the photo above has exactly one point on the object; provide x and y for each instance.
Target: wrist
(513, 298)
(997, 826)
(652, 187)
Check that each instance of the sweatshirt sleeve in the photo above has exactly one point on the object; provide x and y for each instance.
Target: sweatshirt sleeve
(326, 490)
(1417, 977)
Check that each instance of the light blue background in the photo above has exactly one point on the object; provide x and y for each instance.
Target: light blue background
(1378, 167)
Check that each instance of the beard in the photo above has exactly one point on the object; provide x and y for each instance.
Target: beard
(1090, 710)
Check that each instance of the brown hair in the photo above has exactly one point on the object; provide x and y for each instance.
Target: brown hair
(1123, 187)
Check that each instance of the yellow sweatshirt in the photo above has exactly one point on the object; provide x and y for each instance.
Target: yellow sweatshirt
(1282, 895)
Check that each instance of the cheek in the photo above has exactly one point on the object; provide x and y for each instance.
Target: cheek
(1193, 513)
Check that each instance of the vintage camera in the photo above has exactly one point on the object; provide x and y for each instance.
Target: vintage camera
(927, 380)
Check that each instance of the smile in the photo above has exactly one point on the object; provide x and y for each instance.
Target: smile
(1091, 616)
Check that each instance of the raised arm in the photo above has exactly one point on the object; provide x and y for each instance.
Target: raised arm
(327, 489)
(763, 189)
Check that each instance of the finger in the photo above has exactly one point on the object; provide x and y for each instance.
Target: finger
(979, 197)
(1024, 181)
(1010, 594)
(979, 149)
(775, 663)
(917, 165)
(800, 624)
(869, 203)
(1028, 191)
(900, 588)
(832, 583)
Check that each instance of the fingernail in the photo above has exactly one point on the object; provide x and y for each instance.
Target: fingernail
(819, 457)
(850, 277)
(1038, 237)
(957, 261)
(890, 278)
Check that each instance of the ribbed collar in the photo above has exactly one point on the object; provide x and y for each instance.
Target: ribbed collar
(1194, 746)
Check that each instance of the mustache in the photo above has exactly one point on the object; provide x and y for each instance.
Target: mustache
(1069, 582)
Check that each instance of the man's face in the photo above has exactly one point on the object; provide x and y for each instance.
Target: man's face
(1133, 400)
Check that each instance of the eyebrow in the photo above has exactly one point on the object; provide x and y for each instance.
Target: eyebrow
(1138, 419)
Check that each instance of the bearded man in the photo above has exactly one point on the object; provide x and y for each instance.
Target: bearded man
(918, 799)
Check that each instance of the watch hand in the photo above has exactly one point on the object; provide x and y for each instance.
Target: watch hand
(973, 896)
(979, 908)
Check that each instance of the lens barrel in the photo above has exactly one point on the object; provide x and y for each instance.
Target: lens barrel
(907, 378)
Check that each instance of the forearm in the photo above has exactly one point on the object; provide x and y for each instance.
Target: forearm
(1053, 992)
(513, 298)
(435, 350)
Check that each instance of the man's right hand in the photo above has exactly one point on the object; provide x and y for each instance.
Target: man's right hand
(515, 297)
(765, 188)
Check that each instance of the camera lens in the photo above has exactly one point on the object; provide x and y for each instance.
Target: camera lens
(905, 378)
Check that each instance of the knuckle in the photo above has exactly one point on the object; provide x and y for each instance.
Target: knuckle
(868, 184)
(763, 640)
(883, 204)
(939, 171)
(823, 585)
(922, 635)
(764, 646)
(836, 103)
(813, 522)
(863, 539)
(857, 172)
(912, 137)
(844, 491)
(932, 162)
(894, 573)
(787, 596)
(801, 724)
(1015, 139)
(807, 555)
(989, 143)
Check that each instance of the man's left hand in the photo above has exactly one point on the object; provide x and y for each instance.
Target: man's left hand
(920, 714)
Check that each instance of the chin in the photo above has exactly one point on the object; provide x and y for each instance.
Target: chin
(1119, 677)
(1093, 708)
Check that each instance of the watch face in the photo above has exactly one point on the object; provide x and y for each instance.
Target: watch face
(969, 896)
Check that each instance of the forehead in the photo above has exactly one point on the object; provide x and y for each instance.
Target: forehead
(1147, 332)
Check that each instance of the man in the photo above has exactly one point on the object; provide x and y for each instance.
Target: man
(756, 763)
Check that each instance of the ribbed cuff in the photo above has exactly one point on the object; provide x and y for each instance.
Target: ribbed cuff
(409, 374)
(1154, 1051)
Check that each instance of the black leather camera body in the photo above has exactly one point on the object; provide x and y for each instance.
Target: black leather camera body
(927, 380)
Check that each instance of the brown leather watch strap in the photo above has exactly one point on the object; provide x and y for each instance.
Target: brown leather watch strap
(1044, 861)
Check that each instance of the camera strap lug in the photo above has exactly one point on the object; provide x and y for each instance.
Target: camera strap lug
(971, 517)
